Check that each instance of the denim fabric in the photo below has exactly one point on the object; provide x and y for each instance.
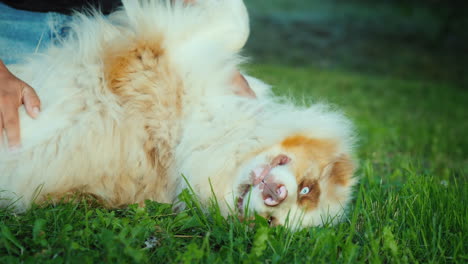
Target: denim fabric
(24, 32)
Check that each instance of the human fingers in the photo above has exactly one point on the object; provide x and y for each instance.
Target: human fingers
(10, 118)
(242, 86)
(31, 101)
(1, 131)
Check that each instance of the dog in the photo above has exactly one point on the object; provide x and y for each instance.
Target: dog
(134, 102)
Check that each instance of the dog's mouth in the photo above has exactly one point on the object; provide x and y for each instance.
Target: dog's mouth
(258, 176)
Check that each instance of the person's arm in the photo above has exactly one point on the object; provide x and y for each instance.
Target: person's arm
(14, 93)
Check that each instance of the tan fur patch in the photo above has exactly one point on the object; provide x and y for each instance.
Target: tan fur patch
(322, 152)
(150, 93)
(307, 152)
(311, 158)
(121, 62)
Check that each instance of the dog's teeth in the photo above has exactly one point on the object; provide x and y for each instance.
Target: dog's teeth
(281, 190)
(270, 201)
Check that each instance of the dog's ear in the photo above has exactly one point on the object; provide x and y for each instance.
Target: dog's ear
(340, 171)
(229, 22)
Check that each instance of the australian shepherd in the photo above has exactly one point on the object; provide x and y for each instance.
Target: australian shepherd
(135, 101)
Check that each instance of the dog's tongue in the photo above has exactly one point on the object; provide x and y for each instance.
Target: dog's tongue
(272, 198)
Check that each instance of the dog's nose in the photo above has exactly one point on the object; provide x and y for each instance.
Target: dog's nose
(274, 193)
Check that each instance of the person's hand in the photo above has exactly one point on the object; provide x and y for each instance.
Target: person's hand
(242, 86)
(13, 93)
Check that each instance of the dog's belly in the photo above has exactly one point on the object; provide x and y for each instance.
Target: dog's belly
(119, 163)
(114, 139)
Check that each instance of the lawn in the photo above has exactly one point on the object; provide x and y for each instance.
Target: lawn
(410, 204)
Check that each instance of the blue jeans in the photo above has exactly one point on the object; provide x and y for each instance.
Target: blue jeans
(25, 32)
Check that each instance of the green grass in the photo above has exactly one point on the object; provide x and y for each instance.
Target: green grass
(410, 204)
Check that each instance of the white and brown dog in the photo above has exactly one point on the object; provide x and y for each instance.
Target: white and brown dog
(133, 101)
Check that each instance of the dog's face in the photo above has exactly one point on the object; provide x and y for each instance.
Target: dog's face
(300, 182)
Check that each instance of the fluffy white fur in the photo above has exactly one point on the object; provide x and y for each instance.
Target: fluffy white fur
(133, 101)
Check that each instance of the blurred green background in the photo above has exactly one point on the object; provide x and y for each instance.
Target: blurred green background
(412, 39)
(396, 68)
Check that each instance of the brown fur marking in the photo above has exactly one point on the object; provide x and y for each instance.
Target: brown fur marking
(342, 171)
(310, 200)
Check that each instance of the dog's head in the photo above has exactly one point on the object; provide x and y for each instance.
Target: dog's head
(300, 182)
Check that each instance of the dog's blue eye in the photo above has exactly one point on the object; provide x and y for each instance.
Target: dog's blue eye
(305, 190)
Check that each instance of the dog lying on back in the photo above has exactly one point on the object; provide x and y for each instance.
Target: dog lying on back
(133, 101)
